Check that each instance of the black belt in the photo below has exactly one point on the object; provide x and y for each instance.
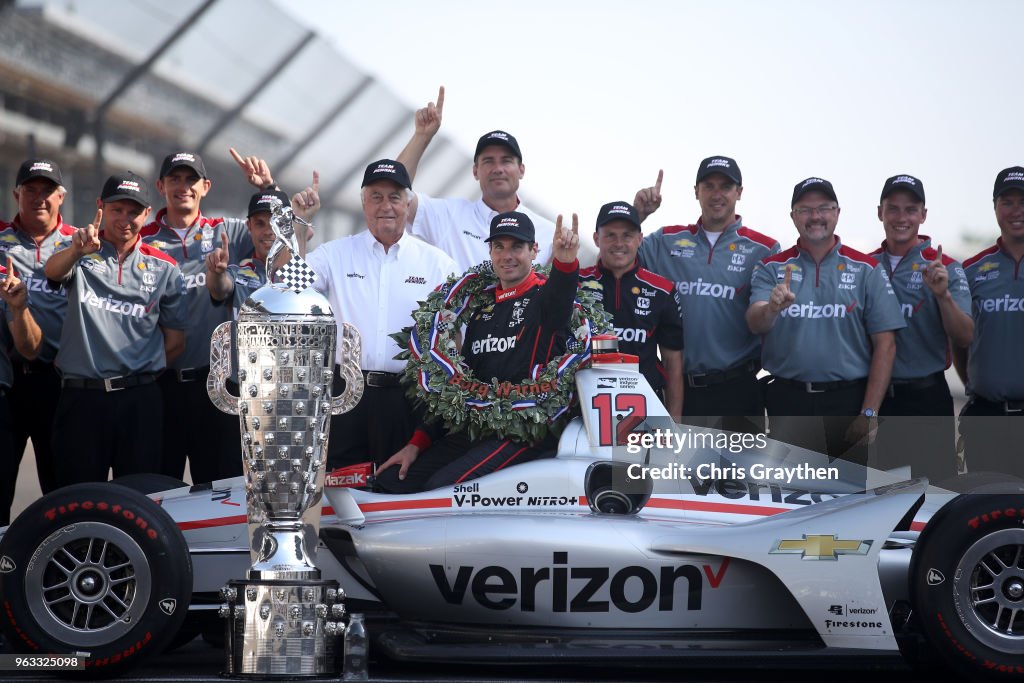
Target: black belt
(820, 387)
(915, 383)
(191, 374)
(110, 383)
(34, 367)
(1008, 407)
(699, 380)
(381, 379)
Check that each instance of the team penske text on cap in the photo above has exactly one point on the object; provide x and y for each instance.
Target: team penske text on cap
(724, 165)
(512, 224)
(187, 159)
(904, 182)
(126, 186)
(618, 211)
(498, 137)
(264, 201)
(1009, 179)
(812, 185)
(387, 169)
(38, 168)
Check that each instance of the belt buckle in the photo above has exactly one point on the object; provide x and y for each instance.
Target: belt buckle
(186, 374)
(108, 383)
(809, 386)
(372, 378)
(690, 380)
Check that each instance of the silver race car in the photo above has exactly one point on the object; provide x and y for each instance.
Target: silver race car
(641, 539)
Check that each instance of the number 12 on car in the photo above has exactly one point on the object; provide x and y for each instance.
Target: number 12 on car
(629, 409)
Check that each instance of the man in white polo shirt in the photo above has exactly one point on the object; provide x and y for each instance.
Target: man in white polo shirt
(457, 226)
(374, 280)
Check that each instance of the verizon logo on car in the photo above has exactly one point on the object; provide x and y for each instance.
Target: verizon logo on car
(569, 588)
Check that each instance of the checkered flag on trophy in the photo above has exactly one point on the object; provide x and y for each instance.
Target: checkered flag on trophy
(296, 274)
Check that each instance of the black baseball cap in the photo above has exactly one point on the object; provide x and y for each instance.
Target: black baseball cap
(264, 201)
(126, 186)
(512, 224)
(1009, 179)
(907, 183)
(387, 169)
(187, 159)
(724, 165)
(38, 168)
(811, 185)
(618, 211)
(498, 137)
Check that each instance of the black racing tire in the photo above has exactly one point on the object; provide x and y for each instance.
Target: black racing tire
(149, 482)
(967, 584)
(94, 568)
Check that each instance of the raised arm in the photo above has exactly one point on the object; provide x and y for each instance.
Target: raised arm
(648, 199)
(427, 123)
(28, 338)
(85, 241)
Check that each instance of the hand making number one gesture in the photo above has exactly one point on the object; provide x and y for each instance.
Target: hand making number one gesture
(87, 240)
(428, 119)
(217, 260)
(567, 241)
(782, 295)
(12, 290)
(648, 200)
(936, 276)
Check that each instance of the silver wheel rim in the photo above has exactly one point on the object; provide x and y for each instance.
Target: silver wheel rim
(88, 584)
(989, 590)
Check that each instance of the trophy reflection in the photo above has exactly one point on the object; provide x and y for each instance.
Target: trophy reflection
(283, 619)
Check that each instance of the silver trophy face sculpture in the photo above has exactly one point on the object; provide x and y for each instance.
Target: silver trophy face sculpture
(283, 620)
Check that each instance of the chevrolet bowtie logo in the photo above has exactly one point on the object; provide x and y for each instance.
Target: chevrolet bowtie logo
(821, 547)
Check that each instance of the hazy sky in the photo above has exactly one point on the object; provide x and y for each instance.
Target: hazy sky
(602, 94)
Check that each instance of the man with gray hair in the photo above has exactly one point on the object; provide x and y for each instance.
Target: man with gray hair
(29, 240)
(374, 280)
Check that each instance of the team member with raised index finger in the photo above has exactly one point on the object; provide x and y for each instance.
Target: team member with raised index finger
(710, 264)
(30, 239)
(23, 335)
(828, 315)
(125, 322)
(917, 426)
(460, 227)
(200, 432)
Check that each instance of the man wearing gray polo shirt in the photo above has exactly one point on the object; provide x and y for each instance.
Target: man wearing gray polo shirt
(991, 423)
(828, 317)
(459, 227)
(125, 321)
(23, 335)
(710, 264)
(917, 427)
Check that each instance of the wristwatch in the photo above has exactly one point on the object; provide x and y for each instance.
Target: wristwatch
(868, 412)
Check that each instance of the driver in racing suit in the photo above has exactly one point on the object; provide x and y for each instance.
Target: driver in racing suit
(526, 326)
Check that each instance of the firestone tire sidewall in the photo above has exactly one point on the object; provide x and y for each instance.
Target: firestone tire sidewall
(135, 530)
(937, 581)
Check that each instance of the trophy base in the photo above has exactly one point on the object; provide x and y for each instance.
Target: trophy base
(282, 628)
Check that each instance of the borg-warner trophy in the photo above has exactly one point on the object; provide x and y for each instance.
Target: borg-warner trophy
(282, 618)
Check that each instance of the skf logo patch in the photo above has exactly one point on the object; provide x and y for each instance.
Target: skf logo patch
(820, 547)
(168, 605)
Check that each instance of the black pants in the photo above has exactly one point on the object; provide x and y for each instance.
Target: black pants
(96, 430)
(378, 427)
(455, 459)
(817, 421)
(197, 430)
(735, 405)
(993, 434)
(917, 428)
(33, 400)
(9, 459)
